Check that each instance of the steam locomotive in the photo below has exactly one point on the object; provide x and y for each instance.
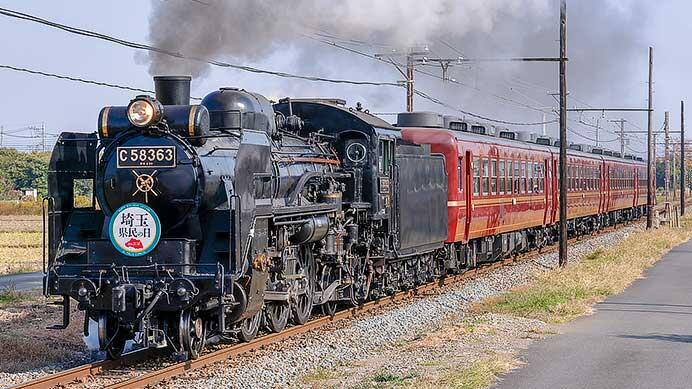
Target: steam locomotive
(211, 221)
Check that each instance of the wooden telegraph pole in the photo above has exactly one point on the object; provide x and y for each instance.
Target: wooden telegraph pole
(563, 134)
(682, 158)
(650, 174)
(666, 156)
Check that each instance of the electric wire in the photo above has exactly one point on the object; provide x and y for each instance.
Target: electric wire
(436, 100)
(141, 46)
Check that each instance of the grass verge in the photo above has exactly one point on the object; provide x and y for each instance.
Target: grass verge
(10, 295)
(480, 375)
(560, 295)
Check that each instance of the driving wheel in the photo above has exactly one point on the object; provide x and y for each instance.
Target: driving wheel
(249, 327)
(276, 316)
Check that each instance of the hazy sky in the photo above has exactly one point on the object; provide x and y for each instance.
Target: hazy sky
(65, 105)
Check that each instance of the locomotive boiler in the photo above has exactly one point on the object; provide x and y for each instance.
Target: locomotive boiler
(210, 221)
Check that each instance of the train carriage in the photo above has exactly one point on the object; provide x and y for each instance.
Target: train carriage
(503, 193)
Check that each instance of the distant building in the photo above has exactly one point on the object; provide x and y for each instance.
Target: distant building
(29, 193)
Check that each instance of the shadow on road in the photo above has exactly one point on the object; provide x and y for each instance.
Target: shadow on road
(663, 337)
(645, 304)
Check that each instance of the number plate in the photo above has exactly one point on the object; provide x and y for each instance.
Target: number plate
(150, 156)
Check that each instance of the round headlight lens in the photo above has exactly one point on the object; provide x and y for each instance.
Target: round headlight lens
(142, 112)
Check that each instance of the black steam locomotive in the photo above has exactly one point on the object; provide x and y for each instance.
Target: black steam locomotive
(209, 221)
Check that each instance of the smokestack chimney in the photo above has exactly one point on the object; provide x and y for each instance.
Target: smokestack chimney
(172, 90)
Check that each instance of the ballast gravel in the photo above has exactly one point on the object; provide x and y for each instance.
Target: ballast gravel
(283, 364)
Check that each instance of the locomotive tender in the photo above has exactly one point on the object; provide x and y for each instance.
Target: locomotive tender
(210, 221)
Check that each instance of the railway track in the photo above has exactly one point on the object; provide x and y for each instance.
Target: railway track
(118, 379)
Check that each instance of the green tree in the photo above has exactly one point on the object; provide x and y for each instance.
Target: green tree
(23, 170)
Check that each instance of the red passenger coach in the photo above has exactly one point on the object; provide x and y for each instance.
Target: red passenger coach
(503, 192)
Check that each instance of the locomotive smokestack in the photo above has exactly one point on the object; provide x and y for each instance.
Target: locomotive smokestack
(172, 90)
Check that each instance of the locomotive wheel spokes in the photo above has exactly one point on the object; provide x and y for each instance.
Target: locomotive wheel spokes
(249, 327)
(192, 333)
(325, 278)
(329, 308)
(276, 316)
(302, 306)
(112, 338)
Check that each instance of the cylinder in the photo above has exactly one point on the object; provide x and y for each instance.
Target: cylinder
(313, 229)
(172, 90)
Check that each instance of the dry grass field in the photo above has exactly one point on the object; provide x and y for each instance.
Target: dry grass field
(23, 319)
(20, 243)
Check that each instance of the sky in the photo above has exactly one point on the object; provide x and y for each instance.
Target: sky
(607, 46)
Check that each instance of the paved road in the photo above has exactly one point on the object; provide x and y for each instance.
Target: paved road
(22, 281)
(641, 338)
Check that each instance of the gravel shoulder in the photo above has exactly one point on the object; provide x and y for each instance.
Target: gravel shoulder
(425, 342)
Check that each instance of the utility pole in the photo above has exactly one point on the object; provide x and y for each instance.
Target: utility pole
(563, 134)
(43, 137)
(411, 57)
(666, 157)
(621, 135)
(409, 82)
(2, 133)
(674, 163)
(651, 175)
(682, 158)
(545, 126)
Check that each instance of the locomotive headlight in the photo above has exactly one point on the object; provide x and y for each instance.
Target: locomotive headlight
(144, 111)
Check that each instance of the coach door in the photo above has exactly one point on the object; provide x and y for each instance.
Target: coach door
(469, 193)
(607, 187)
(547, 190)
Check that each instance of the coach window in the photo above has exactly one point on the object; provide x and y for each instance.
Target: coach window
(502, 176)
(541, 178)
(592, 178)
(486, 176)
(493, 176)
(476, 176)
(575, 178)
(510, 177)
(517, 177)
(523, 176)
(529, 178)
(460, 177)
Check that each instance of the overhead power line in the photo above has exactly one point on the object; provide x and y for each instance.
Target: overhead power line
(435, 100)
(141, 46)
(429, 74)
(76, 79)
(442, 103)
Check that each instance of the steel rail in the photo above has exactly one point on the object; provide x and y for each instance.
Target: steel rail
(92, 369)
(74, 374)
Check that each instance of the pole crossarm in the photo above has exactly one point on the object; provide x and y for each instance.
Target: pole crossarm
(512, 59)
(608, 110)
